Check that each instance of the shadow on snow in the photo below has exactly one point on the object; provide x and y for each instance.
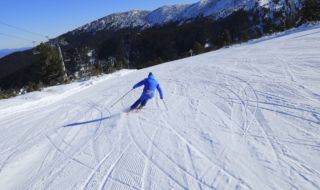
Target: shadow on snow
(90, 121)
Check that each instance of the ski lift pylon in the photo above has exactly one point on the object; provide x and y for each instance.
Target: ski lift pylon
(35, 51)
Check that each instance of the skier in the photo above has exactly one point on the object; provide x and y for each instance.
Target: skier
(150, 85)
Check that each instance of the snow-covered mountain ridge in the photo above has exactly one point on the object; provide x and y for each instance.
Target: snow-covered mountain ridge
(180, 13)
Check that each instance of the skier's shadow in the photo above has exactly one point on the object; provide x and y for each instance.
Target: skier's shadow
(90, 121)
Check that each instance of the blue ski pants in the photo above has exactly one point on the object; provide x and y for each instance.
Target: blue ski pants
(142, 101)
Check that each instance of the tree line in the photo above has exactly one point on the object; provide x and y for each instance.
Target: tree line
(137, 48)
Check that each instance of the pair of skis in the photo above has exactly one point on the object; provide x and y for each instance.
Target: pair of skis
(136, 110)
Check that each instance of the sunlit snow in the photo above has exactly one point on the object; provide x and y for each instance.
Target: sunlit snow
(244, 117)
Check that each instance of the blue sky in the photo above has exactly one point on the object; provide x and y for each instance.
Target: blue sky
(54, 17)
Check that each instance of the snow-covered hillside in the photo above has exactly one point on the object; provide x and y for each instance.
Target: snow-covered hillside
(244, 117)
(183, 12)
(117, 21)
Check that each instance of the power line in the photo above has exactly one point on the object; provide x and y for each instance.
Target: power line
(22, 29)
(17, 37)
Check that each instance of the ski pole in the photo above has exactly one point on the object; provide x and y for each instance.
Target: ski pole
(121, 98)
(165, 105)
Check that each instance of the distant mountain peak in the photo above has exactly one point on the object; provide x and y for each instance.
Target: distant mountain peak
(180, 13)
(4, 52)
(131, 18)
(166, 14)
(205, 2)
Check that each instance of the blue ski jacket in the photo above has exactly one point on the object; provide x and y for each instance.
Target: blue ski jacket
(150, 85)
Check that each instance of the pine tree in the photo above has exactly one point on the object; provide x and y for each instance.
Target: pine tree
(96, 70)
(51, 65)
(227, 37)
(311, 10)
(198, 48)
(244, 36)
(122, 64)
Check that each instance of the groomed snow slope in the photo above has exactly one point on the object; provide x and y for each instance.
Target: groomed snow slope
(244, 117)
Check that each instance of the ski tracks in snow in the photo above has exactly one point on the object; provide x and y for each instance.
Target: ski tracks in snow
(237, 118)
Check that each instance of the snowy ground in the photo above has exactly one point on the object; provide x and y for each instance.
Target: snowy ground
(245, 117)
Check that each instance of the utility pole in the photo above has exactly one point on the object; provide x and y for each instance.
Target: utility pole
(65, 76)
(191, 52)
